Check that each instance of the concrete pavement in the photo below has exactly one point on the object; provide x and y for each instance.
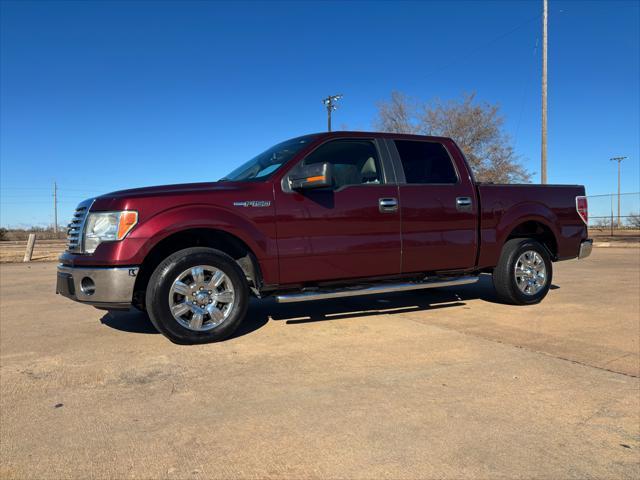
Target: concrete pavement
(444, 384)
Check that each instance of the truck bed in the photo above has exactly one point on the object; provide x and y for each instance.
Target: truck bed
(504, 206)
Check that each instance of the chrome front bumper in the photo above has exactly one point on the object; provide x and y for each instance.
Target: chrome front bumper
(585, 248)
(104, 287)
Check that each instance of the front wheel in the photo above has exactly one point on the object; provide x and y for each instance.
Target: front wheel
(524, 272)
(197, 295)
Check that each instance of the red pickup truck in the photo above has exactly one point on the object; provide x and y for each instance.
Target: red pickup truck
(319, 216)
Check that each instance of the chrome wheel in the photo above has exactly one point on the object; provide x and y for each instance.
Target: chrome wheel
(530, 272)
(201, 298)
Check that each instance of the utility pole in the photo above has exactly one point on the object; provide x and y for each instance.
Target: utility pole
(330, 103)
(619, 160)
(55, 208)
(543, 153)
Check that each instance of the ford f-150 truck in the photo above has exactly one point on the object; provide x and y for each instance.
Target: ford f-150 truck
(320, 216)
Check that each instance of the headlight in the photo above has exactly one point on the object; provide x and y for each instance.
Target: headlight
(107, 227)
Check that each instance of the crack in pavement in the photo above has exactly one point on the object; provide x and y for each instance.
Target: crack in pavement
(528, 349)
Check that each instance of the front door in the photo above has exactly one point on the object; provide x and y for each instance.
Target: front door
(347, 231)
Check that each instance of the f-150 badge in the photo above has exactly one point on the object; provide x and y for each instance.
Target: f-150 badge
(252, 203)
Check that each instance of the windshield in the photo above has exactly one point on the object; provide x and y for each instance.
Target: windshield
(260, 167)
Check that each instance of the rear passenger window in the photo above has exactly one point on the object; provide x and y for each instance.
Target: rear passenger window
(425, 162)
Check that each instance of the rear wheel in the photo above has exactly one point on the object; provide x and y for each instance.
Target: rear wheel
(524, 272)
(197, 295)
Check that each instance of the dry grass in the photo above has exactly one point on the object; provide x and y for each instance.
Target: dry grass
(606, 232)
(44, 251)
(17, 234)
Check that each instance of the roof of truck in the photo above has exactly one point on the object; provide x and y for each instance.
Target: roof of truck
(349, 133)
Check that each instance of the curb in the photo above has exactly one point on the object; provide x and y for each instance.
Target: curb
(615, 245)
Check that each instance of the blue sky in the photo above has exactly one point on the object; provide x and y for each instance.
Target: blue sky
(100, 96)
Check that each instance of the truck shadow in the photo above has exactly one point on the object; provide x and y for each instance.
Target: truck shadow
(132, 321)
(260, 311)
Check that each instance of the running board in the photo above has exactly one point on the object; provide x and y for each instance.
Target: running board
(372, 290)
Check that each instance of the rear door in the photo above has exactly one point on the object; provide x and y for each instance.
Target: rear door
(348, 231)
(438, 207)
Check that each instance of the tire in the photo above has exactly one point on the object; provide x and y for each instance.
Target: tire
(527, 257)
(185, 303)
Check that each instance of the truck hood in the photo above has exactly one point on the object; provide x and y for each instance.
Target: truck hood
(150, 200)
(164, 190)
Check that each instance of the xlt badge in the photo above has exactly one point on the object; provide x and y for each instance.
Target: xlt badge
(252, 203)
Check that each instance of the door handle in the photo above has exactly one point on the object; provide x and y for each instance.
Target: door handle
(463, 203)
(387, 205)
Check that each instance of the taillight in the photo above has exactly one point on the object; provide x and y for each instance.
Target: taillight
(582, 206)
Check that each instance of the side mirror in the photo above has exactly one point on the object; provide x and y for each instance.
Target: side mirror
(316, 175)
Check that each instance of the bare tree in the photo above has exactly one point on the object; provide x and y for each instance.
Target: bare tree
(601, 223)
(476, 127)
(634, 220)
(399, 115)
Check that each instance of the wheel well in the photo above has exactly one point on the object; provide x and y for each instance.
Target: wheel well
(538, 231)
(200, 237)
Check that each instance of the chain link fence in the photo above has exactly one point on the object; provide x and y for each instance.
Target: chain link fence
(604, 214)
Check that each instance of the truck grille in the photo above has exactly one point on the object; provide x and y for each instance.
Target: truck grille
(76, 227)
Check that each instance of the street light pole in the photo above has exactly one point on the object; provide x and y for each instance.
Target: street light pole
(55, 208)
(543, 142)
(619, 160)
(330, 104)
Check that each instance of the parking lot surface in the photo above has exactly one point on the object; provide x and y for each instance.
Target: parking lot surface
(433, 384)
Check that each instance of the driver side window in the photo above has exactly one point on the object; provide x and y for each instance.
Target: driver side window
(354, 162)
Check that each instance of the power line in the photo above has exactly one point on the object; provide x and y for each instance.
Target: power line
(526, 83)
(470, 53)
(41, 202)
(44, 197)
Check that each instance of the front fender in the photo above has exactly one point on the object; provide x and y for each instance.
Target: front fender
(256, 229)
(257, 233)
